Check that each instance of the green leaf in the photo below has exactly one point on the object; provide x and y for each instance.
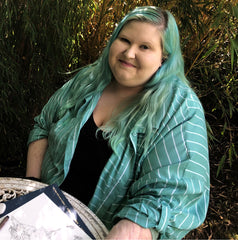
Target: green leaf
(221, 164)
(234, 51)
(234, 43)
(232, 154)
(210, 51)
(235, 11)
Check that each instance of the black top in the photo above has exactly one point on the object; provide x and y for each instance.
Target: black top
(91, 154)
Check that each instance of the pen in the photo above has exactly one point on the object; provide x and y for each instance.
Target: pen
(3, 221)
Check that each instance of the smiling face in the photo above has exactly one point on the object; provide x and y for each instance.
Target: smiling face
(136, 54)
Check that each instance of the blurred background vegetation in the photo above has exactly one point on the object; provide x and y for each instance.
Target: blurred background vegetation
(41, 41)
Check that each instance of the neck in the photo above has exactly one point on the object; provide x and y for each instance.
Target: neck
(123, 91)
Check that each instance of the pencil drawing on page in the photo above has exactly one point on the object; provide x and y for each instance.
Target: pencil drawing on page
(20, 231)
(40, 219)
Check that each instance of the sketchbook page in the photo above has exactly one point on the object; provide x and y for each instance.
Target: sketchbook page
(57, 196)
(40, 219)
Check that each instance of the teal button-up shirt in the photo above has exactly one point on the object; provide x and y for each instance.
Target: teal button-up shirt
(166, 189)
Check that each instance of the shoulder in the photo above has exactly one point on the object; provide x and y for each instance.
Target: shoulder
(182, 104)
(183, 93)
(183, 98)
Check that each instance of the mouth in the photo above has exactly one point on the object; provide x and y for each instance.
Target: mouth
(126, 64)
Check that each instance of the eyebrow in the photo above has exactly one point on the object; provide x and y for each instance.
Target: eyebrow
(143, 42)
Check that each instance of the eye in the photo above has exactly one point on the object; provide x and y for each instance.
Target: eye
(124, 40)
(144, 47)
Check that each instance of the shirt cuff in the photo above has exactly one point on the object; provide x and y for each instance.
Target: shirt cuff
(37, 134)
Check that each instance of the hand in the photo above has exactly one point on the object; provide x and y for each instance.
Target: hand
(128, 230)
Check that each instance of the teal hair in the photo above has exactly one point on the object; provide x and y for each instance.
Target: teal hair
(143, 108)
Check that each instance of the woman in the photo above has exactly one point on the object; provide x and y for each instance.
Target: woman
(153, 179)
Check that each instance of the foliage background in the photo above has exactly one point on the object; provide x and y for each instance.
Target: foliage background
(42, 41)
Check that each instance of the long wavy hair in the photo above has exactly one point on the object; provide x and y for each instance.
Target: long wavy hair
(142, 110)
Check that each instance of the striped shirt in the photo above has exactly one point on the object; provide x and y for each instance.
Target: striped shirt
(166, 189)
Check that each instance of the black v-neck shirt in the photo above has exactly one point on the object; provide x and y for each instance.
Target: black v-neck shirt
(91, 155)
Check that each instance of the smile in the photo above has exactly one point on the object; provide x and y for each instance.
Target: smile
(126, 64)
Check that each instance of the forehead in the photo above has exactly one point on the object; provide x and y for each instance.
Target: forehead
(141, 30)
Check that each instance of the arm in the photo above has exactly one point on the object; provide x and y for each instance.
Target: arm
(171, 192)
(126, 229)
(36, 152)
(38, 137)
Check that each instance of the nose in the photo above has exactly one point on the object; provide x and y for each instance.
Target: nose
(130, 52)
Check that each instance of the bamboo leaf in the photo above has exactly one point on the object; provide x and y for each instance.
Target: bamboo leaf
(235, 11)
(211, 50)
(221, 164)
(230, 152)
(210, 133)
(234, 51)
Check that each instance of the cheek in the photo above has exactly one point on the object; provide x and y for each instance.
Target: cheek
(152, 63)
(110, 57)
(158, 61)
(112, 53)
(117, 48)
(157, 64)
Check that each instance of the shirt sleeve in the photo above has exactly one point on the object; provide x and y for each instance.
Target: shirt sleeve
(171, 193)
(49, 113)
